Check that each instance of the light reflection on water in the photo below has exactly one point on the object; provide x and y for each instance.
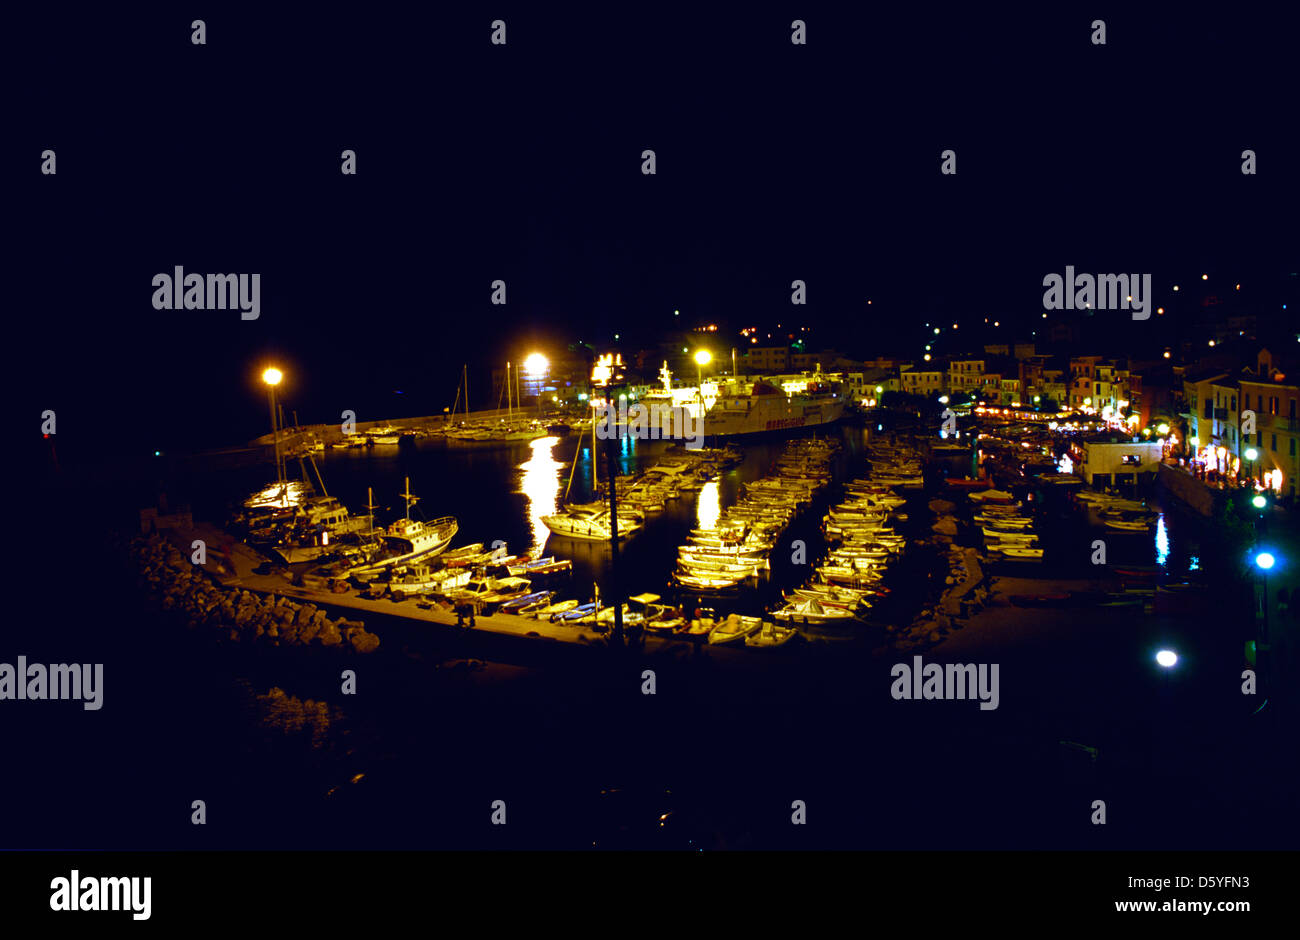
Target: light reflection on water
(541, 487)
(1162, 541)
(709, 507)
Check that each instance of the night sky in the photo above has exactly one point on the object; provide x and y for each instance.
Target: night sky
(477, 162)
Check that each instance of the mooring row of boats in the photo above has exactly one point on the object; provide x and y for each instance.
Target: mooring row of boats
(1007, 529)
(863, 544)
(1117, 513)
(738, 545)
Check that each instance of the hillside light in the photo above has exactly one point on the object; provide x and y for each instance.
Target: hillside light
(1167, 658)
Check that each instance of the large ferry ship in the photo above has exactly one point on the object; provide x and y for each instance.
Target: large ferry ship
(737, 405)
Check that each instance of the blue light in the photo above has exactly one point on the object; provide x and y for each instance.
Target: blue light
(1167, 658)
(1265, 560)
(1162, 541)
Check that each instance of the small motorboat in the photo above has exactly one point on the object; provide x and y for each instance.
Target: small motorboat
(770, 636)
(733, 629)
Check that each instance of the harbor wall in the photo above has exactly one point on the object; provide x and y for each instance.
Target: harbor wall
(330, 433)
(1188, 490)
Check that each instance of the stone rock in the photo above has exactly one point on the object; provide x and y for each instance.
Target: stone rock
(364, 642)
(329, 634)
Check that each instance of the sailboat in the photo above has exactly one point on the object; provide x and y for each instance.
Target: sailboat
(589, 522)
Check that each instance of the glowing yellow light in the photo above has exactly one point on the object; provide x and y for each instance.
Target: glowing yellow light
(1162, 428)
(1205, 277)
(709, 508)
(703, 357)
(541, 486)
(536, 365)
(272, 376)
(1166, 354)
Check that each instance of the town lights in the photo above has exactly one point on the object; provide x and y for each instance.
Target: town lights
(1259, 502)
(1162, 429)
(703, 357)
(1167, 658)
(1251, 453)
(1265, 561)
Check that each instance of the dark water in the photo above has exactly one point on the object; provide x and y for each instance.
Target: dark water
(566, 738)
(501, 491)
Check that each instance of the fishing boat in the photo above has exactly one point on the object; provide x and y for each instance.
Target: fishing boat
(408, 540)
(770, 636)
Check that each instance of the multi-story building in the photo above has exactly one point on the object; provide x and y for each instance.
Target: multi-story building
(965, 375)
(921, 383)
(766, 359)
(1082, 374)
(1275, 401)
(1198, 405)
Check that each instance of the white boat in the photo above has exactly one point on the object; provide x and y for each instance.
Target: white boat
(810, 610)
(733, 629)
(408, 540)
(770, 636)
(587, 524)
(1019, 554)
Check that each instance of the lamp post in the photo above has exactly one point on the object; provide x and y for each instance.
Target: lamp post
(535, 367)
(1252, 455)
(272, 377)
(606, 374)
(1264, 561)
(702, 358)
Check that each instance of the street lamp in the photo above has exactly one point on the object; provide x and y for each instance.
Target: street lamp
(1252, 455)
(1264, 561)
(605, 374)
(535, 367)
(272, 377)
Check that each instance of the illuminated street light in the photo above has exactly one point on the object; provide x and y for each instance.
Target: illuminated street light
(1162, 429)
(1259, 502)
(1265, 561)
(1167, 658)
(536, 365)
(272, 377)
(1251, 453)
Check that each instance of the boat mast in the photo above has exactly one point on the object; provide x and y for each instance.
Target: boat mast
(370, 504)
(510, 415)
(465, 369)
(408, 497)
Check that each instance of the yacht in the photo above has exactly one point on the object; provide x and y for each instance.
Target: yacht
(587, 523)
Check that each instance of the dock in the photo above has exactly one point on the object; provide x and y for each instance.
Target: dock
(537, 633)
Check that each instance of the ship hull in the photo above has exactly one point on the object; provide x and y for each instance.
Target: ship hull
(779, 416)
